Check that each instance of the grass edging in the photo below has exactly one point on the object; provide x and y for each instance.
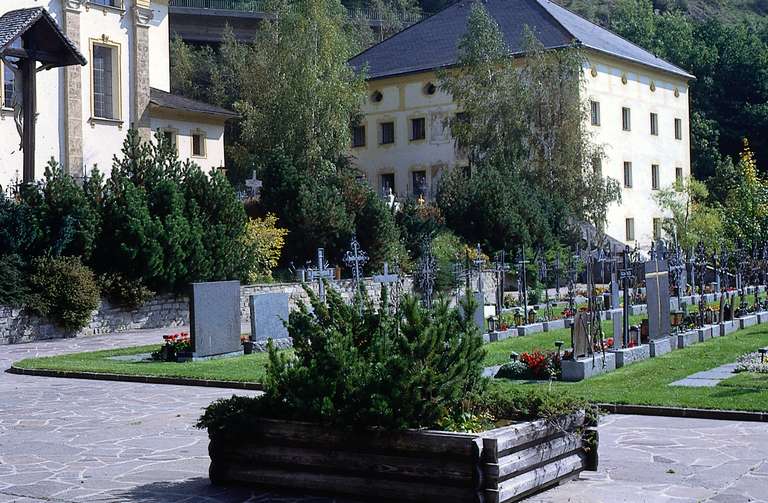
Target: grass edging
(684, 412)
(98, 376)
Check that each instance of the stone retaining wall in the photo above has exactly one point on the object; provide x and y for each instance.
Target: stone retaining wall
(18, 325)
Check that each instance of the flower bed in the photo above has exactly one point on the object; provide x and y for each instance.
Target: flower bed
(500, 465)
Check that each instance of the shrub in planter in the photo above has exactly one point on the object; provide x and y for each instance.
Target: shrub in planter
(344, 413)
(64, 290)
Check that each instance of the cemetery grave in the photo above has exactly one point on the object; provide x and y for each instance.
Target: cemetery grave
(650, 379)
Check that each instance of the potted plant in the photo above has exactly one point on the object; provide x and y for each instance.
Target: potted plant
(373, 403)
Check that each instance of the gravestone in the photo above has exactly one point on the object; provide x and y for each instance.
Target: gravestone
(268, 312)
(657, 285)
(580, 335)
(214, 316)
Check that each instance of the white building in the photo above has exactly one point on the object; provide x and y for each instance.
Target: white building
(639, 106)
(84, 112)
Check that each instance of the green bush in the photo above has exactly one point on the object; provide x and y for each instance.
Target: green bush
(418, 368)
(64, 291)
(13, 284)
(124, 292)
(68, 220)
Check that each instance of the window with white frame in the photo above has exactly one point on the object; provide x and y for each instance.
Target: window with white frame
(627, 174)
(655, 182)
(595, 112)
(198, 138)
(678, 129)
(105, 71)
(629, 225)
(626, 119)
(654, 124)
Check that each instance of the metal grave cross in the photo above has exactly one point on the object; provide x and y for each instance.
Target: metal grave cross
(254, 185)
(626, 274)
(355, 259)
(426, 273)
(320, 273)
(522, 280)
(386, 278)
(479, 262)
(501, 267)
(541, 264)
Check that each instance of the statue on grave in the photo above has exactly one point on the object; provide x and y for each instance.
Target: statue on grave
(18, 98)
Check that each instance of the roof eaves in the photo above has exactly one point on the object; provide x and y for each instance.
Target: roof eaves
(678, 71)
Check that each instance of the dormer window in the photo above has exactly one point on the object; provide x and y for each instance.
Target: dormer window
(430, 89)
(376, 97)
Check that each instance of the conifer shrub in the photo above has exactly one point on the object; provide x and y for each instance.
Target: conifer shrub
(64, 291)
(14, 290)
(364, 366)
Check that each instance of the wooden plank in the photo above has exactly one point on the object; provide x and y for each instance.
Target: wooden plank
(522, 461)
(518, 487)
(501, 441)
(348, 462)
(368, 489)
(411, 442)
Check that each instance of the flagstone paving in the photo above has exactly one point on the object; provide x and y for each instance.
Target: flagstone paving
(708, 378)
(70, 440)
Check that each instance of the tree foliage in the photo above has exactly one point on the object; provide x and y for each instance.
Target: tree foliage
(523, 127)
(692, 219)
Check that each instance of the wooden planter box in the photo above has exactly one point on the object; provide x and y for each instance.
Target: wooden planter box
(500, 465)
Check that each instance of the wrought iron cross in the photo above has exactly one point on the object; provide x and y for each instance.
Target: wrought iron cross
(426, 272)
(320, 273)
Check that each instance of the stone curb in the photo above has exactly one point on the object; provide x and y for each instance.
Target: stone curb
(176, 381)
(653, 410)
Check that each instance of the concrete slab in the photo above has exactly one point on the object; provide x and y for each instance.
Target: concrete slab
(687, 339)
(631, 355)
(533, 328)
(584, 368)
(659, 347)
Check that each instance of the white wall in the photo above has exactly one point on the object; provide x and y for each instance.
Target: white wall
(403, 98)
(50, 119)
(214, 151)
(638, 146)
(101, 139)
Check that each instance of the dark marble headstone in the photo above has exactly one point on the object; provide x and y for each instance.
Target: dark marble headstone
(214, 316)
(657, 285)
(269, 311)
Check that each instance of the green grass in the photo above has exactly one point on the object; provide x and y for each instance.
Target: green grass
(747, 380)
(647, 382)
(247, 368)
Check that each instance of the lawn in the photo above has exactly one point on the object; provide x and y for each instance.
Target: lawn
(647, 382)
(247, 368)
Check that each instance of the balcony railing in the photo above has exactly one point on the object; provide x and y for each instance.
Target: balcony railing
(368, 13)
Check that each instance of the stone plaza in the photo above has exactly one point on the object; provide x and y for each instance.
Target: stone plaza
(69, 440)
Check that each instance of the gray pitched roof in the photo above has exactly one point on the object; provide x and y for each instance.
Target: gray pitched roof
(163, 99)
(433, 42)
(48, 36)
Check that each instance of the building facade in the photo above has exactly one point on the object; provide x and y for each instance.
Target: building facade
(85, 112)
(638, 108)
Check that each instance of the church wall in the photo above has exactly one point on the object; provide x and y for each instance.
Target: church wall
(50, 119)
(101, 139)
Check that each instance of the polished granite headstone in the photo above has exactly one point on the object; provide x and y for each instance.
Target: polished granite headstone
(657, 284)
(214, 316)
(269, 311)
